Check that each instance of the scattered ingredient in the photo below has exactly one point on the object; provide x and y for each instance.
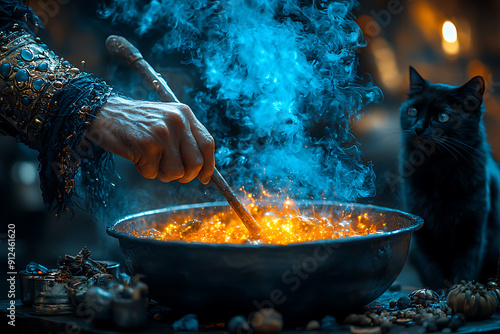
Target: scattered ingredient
(457, 321)
(358, 319)
(403, 303)
(267, 321)
(423, 307)
(442, 322)
(430, 326)
(329, 323)
(188, 322)
(238, 325)
(365, 330)
(424, 297)
(313, 325)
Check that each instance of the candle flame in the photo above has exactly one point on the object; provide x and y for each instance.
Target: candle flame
(449, 32)
(450, 39)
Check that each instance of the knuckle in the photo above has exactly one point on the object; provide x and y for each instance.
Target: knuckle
(208, 143)
(177, 119)
(160, 130)
(151, 151)
(184, 108)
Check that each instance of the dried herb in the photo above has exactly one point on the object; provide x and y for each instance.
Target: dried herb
(79, 265)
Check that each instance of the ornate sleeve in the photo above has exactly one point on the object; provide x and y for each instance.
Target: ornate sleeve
(48, 104)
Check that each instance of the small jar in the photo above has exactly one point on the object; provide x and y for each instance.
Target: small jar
(33, 284)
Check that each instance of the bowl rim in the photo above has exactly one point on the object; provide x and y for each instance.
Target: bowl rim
(414, 226)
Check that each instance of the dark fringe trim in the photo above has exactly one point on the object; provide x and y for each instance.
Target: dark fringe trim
(63, 148)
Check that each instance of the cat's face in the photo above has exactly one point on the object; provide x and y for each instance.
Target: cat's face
(441, 113)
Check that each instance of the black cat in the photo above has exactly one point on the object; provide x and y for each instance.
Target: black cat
(451, 180)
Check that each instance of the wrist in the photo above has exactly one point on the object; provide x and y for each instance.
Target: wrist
(103, 115)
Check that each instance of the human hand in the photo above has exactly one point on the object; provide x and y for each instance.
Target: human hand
(163, 140)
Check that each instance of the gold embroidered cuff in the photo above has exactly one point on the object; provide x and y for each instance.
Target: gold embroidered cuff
(30, 75)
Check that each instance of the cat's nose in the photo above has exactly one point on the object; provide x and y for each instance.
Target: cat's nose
(419, 130)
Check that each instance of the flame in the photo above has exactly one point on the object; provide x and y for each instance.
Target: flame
(280, 225)
(449, 32)
(450, 38)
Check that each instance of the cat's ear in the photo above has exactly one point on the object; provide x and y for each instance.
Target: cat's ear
(472, 93)
(417, 83)
(474, 88)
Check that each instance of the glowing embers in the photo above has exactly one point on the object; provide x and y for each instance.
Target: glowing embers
(280, 226)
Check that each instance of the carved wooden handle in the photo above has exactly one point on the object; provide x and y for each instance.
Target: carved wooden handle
(119, 47)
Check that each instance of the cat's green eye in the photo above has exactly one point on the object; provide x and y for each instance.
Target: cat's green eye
(412, 111)
(443, 117)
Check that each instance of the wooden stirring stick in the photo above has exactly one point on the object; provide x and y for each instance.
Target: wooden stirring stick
(120, 47)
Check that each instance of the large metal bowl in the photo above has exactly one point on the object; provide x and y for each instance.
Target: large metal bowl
(301, 280)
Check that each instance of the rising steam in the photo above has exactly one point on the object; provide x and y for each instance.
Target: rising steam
(281, 87)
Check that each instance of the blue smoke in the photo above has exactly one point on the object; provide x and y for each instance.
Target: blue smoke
(281, 87)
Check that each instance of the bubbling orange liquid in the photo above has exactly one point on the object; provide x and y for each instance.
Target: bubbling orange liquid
(280, 226)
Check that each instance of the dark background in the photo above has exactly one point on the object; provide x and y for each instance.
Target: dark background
(398, 33)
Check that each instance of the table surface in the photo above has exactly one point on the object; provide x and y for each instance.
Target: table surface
(26, 322)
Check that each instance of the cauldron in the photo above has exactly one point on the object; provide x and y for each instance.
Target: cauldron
(301, 280)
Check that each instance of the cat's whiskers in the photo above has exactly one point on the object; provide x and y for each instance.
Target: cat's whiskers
(457, 146)
(465, 146)
(440, 143)
(443, 141)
